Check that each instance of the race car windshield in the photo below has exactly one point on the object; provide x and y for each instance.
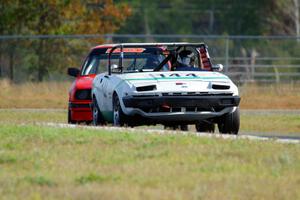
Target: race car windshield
(132, 62)
(140, 62)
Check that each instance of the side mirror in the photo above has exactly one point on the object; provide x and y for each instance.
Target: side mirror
(218, 67)
(73, 71)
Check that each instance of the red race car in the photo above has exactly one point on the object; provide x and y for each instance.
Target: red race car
(79, 108)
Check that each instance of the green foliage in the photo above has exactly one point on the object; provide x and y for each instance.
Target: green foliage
(39, 59)
(232, 17)
(46, 17)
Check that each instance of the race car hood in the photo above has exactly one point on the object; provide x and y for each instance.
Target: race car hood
(173, 76)
(84, 82)
(180, 81)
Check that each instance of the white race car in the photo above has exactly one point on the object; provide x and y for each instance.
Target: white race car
(173, 84)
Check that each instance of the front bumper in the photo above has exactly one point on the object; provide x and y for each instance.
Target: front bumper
(180, 108)
(81, 111)
(204, 103)
(80, 105)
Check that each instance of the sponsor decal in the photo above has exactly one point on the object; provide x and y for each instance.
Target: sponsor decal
(127, 50)
(181, 84)
(177, 76)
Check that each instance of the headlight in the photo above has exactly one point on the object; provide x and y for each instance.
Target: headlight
(83, 94)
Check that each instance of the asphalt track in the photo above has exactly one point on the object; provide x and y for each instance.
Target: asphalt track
(279, 137)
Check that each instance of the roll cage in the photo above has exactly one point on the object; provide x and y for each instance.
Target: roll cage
(171, 49)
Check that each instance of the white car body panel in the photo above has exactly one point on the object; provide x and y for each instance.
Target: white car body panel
(181, 82)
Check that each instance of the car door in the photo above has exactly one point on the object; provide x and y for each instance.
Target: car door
(107, 87)
(98, 90)
(97, 65)
(105, 92)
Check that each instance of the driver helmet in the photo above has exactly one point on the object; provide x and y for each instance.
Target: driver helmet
(186, 57)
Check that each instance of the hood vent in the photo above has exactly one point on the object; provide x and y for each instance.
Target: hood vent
(220, 87)
(146, 88)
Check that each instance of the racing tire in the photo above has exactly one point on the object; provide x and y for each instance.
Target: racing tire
(119, 118)
(205, 127)
(184, 127)
(230, 123)
(169, 127)
(70, 121)
(97, 116)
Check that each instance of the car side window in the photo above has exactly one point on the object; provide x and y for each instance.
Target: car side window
(114, 63)
(194, 59)
(95, 64)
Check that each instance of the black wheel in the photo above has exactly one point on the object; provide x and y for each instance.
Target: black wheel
(70, 121)
(119, 118)
(230, 123)
(170, 127)
(184, 127)
(204, 126)
(97, 116)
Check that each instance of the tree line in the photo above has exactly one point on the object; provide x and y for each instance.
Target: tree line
(218, 17)
(46, 17)
(226, 17)
(38, 58)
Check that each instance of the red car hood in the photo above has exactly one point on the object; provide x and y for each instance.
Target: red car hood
(84, 82)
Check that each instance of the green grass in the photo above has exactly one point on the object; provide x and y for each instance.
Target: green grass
(32, 116)
(275, 123)
(60, 163)
(278, 123)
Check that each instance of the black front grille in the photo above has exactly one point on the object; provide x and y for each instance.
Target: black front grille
(179, 109)
(193, 103)
(77, 105)
(143, 96)
(191, 94)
